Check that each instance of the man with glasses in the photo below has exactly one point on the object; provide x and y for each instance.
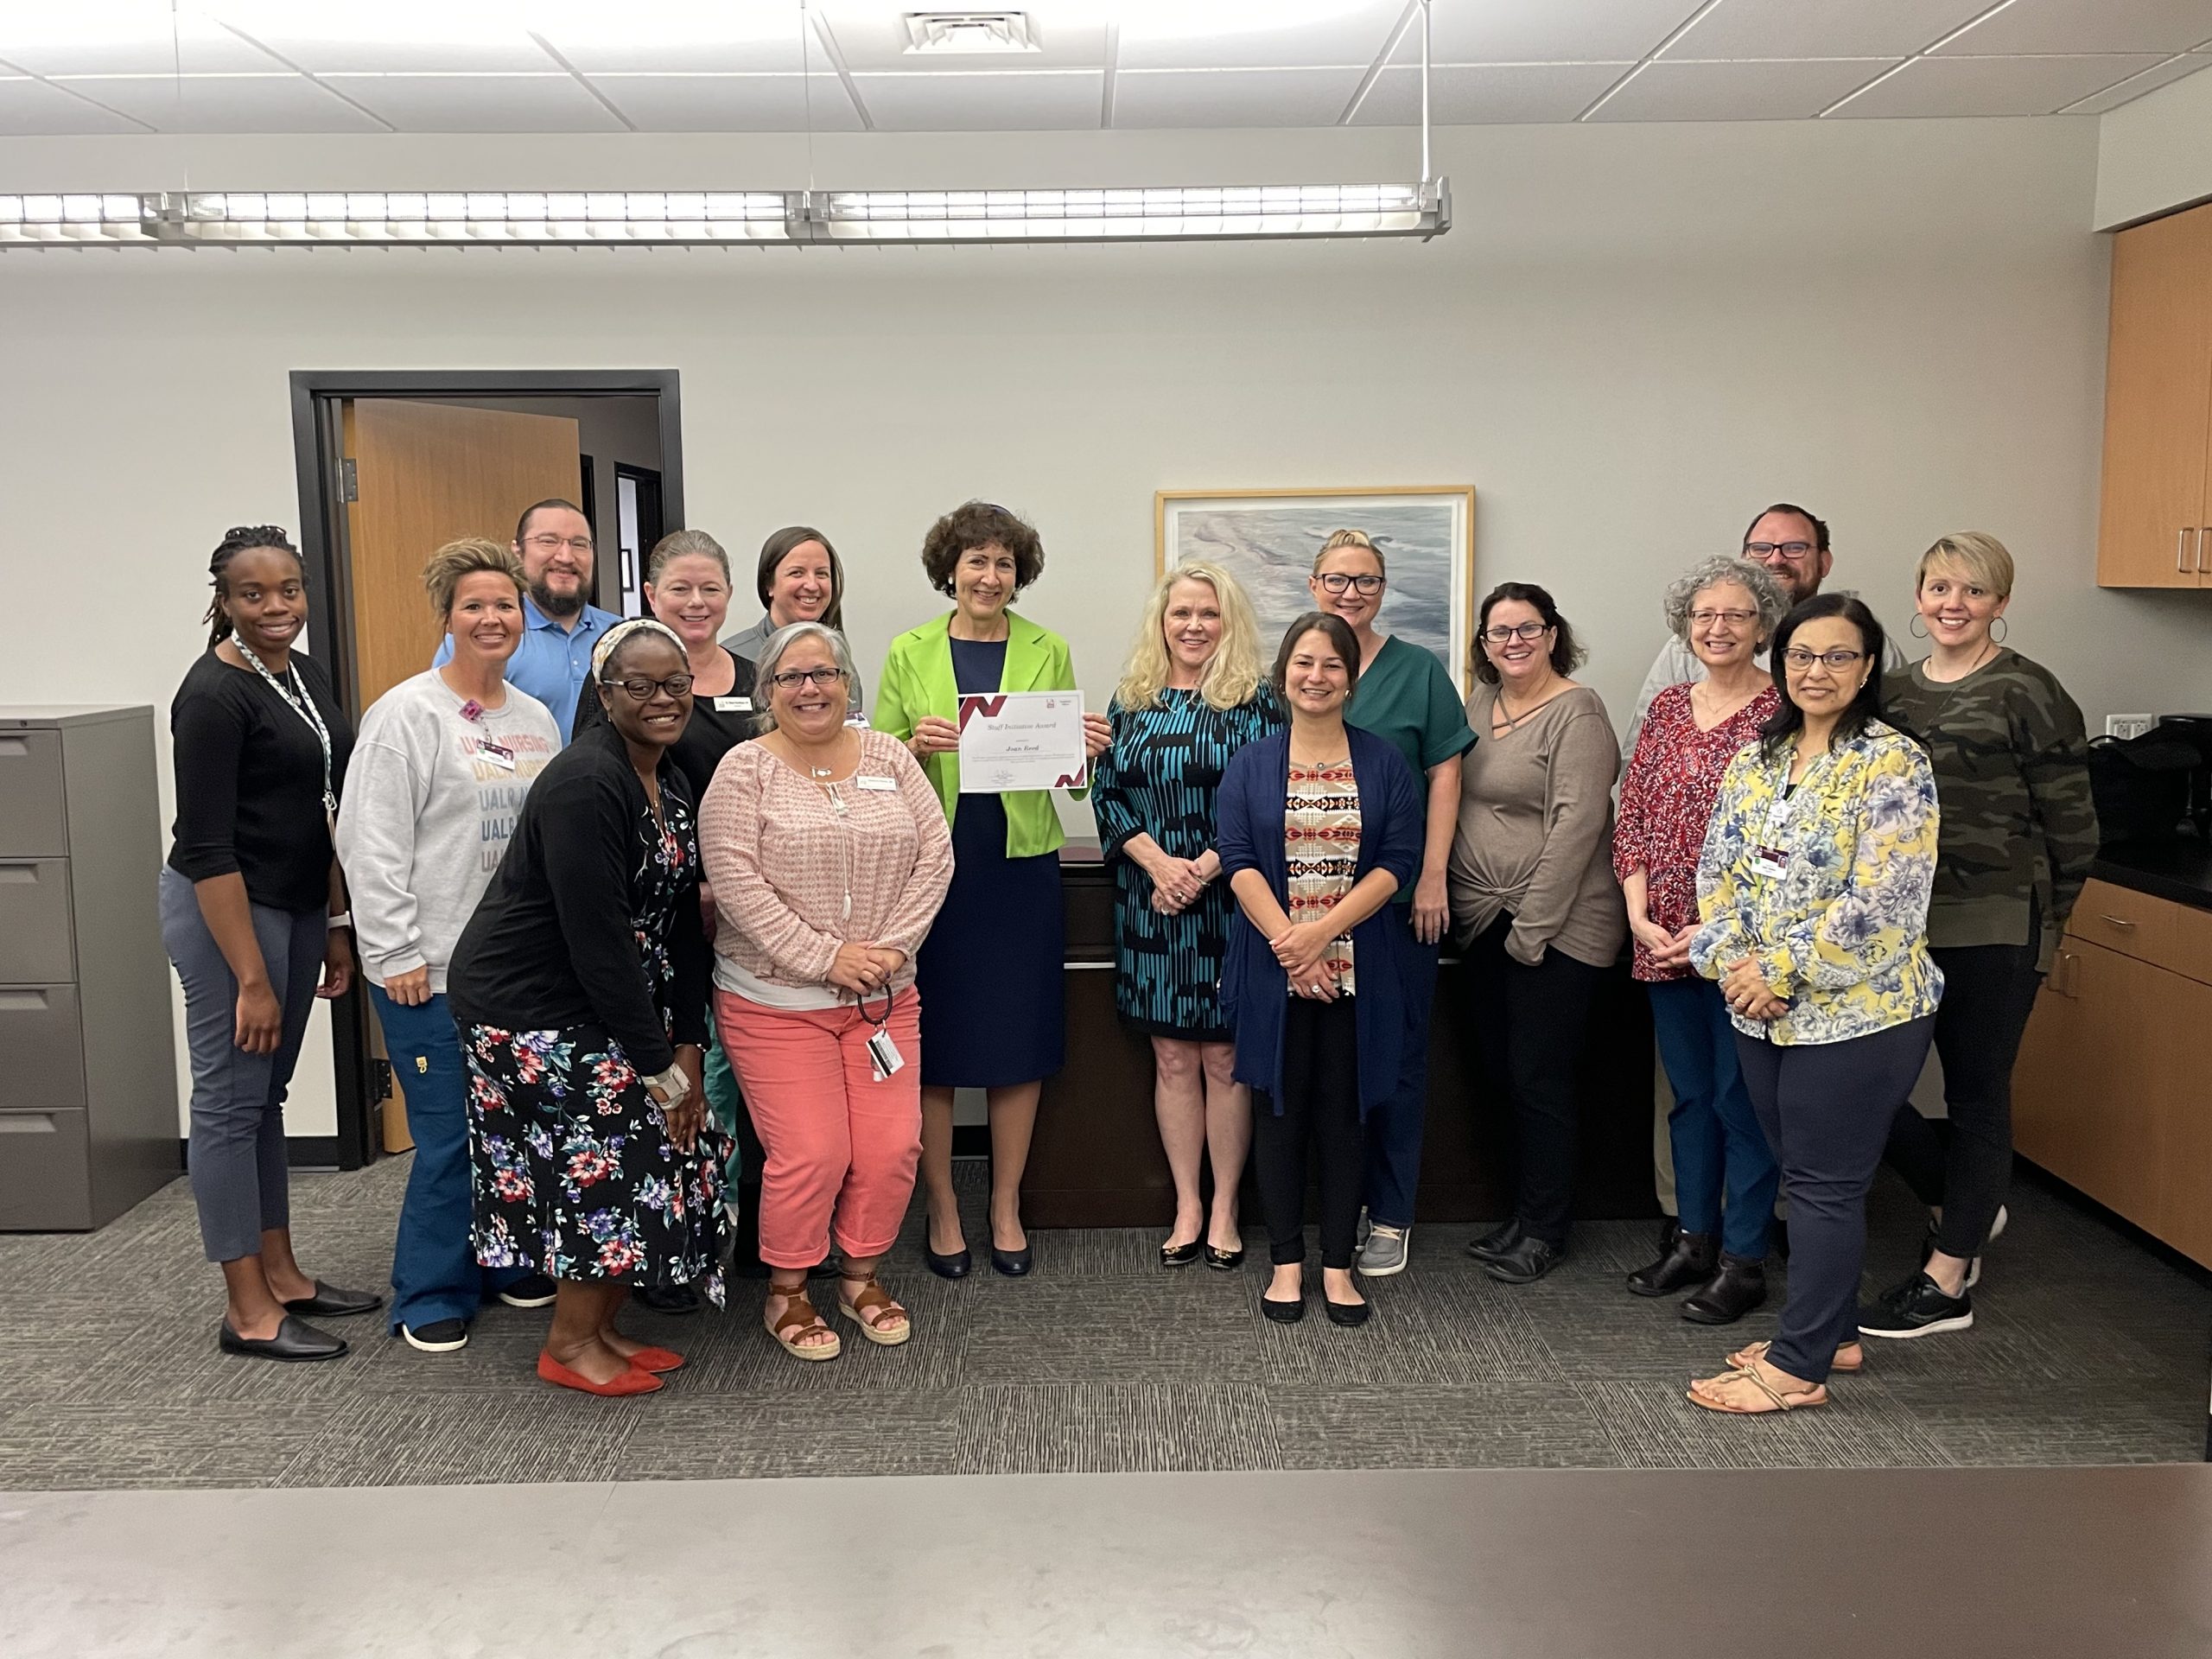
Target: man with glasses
(561, 626)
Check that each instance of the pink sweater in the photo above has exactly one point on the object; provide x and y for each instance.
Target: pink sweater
(794, 877)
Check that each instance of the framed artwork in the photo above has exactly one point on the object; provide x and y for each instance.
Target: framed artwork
(1268, 540)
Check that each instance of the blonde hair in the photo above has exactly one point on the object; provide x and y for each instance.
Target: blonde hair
(1980, 556)
(442, 575)
(1358, 538)
(1233, 674)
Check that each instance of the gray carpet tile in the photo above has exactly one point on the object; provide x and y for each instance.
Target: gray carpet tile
(2088, 1347)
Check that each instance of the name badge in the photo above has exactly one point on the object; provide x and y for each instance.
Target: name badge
(857, 720)
(1770, 861)
(502, 758)
(883, 1055)
(733, 705)
(865, 782)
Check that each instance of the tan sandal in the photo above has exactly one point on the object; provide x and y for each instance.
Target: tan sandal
(1775, 1400)
(887, 1332)
(799, 1318)
(1758, 1350)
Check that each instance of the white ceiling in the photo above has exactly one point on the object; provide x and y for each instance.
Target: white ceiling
(702, 66)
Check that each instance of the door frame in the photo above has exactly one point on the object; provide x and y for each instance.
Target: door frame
(317, 449)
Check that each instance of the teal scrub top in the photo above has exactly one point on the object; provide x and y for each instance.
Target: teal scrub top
(1405, 695)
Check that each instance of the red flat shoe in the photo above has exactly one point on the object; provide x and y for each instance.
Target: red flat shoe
(632, 1381)
(658, 1360)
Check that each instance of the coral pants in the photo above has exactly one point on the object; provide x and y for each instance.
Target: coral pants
(839, 1142)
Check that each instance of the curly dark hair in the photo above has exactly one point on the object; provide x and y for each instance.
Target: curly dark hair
(980, 524)
(1566, 655)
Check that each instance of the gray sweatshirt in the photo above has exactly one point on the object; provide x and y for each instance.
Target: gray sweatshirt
(431, 797)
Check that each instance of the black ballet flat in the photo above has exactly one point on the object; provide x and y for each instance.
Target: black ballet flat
(1012, 1263)
(333, 1303)
(959, 1265)
(1224, 1261)
(1179, 1255)
(1347, 1312)
(1283, 1313)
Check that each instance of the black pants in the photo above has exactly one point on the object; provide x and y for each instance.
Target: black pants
(1989, 990)
(1529, 1022)
(1319, 1104)
(1826, 1109)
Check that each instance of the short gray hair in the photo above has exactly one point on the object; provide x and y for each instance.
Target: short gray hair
(778, 647)
(1765, 593)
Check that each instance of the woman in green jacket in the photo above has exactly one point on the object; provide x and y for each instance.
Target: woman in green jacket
(989, 972)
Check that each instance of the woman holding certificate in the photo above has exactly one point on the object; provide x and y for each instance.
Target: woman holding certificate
(989, 973)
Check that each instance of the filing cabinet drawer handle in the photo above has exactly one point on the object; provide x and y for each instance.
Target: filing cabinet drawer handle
(2117, 921)
(27, 1123)
(21, 874)
(22, 1001)
(12, 746)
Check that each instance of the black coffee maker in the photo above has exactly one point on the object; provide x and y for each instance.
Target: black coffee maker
(2156, 787)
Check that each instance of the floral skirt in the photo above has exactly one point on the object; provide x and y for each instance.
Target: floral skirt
(574, 1173)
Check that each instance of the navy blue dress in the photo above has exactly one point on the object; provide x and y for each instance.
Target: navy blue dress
(1159, 779)
(989, 974)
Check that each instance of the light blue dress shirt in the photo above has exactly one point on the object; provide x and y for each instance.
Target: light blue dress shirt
(552, 663)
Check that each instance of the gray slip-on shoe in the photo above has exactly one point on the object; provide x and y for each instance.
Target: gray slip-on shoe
(1384, 1253)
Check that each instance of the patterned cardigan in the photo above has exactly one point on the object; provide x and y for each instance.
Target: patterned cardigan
(1842, 932)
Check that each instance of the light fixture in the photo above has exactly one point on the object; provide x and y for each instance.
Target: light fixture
(965, 33)
(1188, 213)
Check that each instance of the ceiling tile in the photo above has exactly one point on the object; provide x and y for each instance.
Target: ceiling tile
(2027, 27)
(871, 36)
(1476, 94)
(554, 103)
(2135, 86)
(31, 108)
(1234, 98)
(730, 102)
(1670, 91)
(1993, 85)
(760, 38)
(122, 37)
(1553, 31)
(1286, 34)
(1009, 101)
(387, 36)
(272, 103)
(1830, 28)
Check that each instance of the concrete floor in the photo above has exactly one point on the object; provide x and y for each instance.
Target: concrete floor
(1518, 1564)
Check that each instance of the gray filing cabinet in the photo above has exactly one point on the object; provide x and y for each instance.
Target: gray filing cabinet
(88, 1118)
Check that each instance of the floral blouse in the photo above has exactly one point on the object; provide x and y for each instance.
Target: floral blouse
(1667, 802)
(1840, 931)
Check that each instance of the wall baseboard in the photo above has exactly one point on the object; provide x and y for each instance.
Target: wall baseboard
(300, 1151)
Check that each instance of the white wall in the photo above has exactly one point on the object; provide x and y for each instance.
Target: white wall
(2155, 155)
(1633, 338)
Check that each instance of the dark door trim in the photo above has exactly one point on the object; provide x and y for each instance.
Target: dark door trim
(316, 397)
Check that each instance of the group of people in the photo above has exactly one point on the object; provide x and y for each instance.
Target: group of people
(668, 939)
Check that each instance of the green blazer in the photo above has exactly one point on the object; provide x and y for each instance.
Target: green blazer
(917, 681)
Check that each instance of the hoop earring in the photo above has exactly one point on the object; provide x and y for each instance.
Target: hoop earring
(1917, 627)
(1993, 626)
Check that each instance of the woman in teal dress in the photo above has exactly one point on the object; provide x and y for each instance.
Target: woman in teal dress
(1192, 696)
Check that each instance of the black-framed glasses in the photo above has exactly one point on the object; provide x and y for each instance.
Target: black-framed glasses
(1337, 582)
(1838, 661)
(640, 689)
(1792, 551)
(1501, 635)
(790, 679)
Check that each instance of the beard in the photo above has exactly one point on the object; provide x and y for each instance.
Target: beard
(556, 605)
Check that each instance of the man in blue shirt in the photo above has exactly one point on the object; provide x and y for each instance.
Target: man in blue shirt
(561, 626)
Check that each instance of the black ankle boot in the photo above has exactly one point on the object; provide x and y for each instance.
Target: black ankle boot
(1740, 1286)
(1684, 1259)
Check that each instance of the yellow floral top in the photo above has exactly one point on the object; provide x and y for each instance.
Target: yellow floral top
(1826, 885)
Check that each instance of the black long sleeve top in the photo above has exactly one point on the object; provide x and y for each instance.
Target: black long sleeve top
(249, 782)
(552, 945)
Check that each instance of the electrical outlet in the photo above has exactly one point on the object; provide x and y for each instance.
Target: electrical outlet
(2128, 725)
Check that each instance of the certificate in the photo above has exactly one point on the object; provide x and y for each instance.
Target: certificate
(1022, 740)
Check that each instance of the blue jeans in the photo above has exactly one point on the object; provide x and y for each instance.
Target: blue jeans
(434, 1271)
(1395, 1126)
(1718, 1146)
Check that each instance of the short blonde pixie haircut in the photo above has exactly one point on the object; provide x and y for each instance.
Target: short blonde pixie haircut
(465, 557)
(1358, 538)
(1978, 556)
(1233, 675)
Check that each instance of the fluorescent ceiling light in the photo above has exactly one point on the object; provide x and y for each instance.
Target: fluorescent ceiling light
(968, 33)
(1206, 213)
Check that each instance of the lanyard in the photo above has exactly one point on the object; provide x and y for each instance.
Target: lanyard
(303, 706)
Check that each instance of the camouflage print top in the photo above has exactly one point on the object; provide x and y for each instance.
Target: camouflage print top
(2013, 773)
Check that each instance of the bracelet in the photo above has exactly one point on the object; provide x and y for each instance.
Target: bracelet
(343, 918)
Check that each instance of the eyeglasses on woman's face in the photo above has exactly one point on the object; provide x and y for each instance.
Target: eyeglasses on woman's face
(1800, 661)
(1723, 619)
(1501, 635)
(1337, 582)
(640, 689)
(790, 679)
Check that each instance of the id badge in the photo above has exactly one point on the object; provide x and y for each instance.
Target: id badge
(503, 759)
(883, 1055)
(881, 784)
(1772, 862)
(733, 705)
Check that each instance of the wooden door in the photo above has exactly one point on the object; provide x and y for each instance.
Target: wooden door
(2172, 1034)
(425, 474)
(2083, 1105)
(2152, 522)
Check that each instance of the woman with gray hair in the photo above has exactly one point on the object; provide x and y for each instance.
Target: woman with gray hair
(1725, 610)
(827, 854)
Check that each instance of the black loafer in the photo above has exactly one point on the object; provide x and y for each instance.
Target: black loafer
(1012, 1263)
(333, 1303)
(295, 1339)
(1496, 1242)
(1526, 1263)
(1347, 1312)
(1283, 1313)
(1180, 1256)
(1224, 1261)
(1734, 1291)
(959, 1265)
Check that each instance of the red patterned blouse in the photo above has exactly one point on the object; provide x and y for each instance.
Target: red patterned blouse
(1666, 802)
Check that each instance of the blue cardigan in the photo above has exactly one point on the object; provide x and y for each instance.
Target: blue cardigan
(1392, 830)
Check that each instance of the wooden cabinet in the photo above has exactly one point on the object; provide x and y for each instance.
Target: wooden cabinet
(2155, 526)
(2113, 1093)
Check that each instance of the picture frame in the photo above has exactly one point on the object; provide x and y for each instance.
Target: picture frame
(1267, 539)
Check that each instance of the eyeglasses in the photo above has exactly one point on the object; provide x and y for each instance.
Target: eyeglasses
(1733, 619)
(1802, 661)
(1502, 635)
(1337, 582)
(821, 678)
(549, 543)
(1792, 551)
(677, 685)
